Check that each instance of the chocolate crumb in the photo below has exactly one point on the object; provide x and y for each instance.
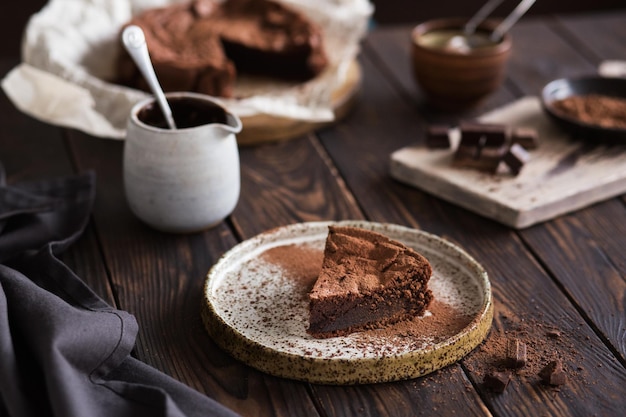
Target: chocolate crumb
(497, 381)
(516, 353)
(553, 373)
(554, 334)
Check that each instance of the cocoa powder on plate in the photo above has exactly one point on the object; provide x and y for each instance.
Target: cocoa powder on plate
(302, 265)
(594, 109)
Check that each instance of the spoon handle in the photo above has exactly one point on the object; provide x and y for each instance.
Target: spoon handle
(481, 14)
(510, 20)
(134, 41)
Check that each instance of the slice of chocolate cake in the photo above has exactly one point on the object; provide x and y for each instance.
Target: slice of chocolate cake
(367, 281)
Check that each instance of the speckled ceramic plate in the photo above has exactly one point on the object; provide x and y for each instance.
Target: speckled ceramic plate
(256, 309)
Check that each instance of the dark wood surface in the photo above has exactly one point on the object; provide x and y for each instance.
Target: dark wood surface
(406, 11)
(567, 274)
(14, 15)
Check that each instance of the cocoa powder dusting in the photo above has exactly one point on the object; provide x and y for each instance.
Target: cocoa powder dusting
(544, 344)
(367, 261)
(302, 265)
(518, 349)
(442, 322)
(594, 109)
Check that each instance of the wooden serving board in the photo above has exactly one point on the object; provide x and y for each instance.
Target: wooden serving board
(266, 128)
(563, 175)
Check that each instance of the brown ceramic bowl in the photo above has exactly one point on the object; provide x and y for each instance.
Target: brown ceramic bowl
(455, 79)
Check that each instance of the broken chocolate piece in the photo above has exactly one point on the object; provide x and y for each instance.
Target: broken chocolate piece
(525, 136)
(486, 147)
(438, 137)
(482, 159)
(483, 134)
(482, 146)
(515, 353)
(553, 334)
(466, 153)
(553, 373)
(497, 381)
(515, 158)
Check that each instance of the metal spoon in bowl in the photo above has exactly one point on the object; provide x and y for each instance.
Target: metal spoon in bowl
(134, 41)
(467, 41)
(510, 20)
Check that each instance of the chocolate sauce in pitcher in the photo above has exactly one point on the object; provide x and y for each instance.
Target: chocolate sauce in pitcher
(187, 112)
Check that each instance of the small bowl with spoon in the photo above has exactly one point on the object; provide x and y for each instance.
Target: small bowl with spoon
(459, 62)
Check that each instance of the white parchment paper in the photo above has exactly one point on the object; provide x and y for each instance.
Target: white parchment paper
(70, 47)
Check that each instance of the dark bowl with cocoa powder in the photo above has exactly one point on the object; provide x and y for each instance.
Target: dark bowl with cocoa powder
(589, 108)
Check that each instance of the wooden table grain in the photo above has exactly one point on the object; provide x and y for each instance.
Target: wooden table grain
(567, 274)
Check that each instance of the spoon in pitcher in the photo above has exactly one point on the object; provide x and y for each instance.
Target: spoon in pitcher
(467, 41)
(134, 41)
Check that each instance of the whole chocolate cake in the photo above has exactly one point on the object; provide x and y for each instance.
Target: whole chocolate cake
(202, 45)
(367, 281)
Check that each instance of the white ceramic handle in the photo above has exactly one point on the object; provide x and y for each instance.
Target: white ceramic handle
(134, 41)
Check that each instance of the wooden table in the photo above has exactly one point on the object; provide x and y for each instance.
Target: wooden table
(567, 275)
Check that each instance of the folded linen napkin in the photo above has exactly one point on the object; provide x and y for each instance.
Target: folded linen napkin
(63, 350)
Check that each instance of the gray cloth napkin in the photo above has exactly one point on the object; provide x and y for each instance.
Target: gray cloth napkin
(63, 350)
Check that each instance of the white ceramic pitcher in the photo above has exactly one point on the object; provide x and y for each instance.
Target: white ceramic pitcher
(182, 180)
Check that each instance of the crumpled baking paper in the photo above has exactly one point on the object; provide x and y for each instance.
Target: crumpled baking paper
(70, 46)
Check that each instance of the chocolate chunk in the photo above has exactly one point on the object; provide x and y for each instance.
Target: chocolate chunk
(464, 153)
(482, 159)
(438, 137)
(553, 373)
(495, 153)
(497, 381)
(515, 158)
(554, 334)
(483, 134)
(515, 353)
(525, 136)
